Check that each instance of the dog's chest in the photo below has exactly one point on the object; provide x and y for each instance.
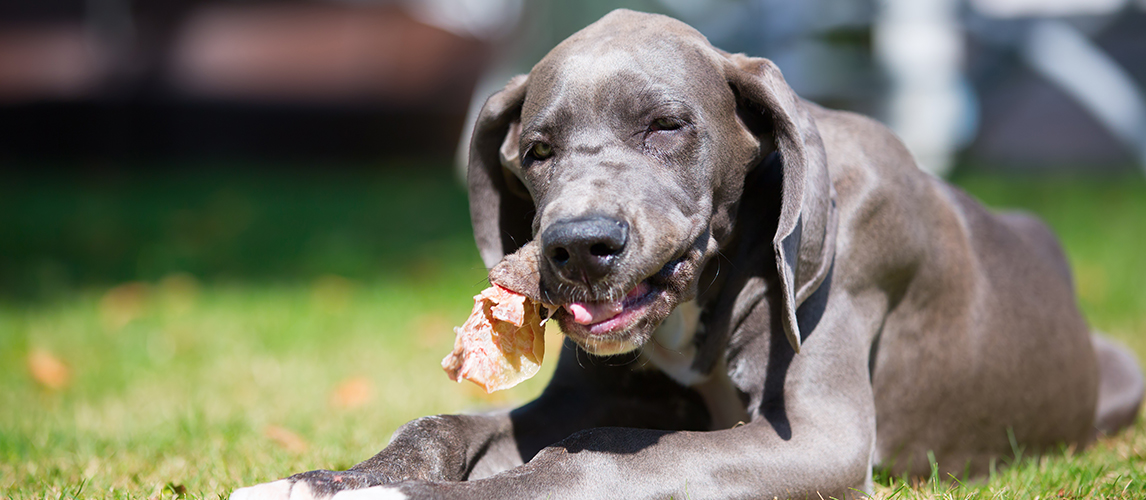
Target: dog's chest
(672, 350)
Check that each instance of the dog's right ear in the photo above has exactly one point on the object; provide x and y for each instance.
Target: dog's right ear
(501, 209)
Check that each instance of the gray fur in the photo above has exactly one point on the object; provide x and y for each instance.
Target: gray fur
(854, 310)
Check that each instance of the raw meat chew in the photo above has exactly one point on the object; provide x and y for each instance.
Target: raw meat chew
(501, 344)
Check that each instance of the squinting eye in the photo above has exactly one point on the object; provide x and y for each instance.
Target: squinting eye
(541, 150)
(665, 124)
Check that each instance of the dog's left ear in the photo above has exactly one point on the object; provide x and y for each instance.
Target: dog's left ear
(805, 235)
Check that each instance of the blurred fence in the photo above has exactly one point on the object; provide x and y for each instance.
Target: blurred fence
(280, 80)
(1018, 83)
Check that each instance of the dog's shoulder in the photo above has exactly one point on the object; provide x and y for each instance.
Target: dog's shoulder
(858, 141)
(869, 166)
(883, 196)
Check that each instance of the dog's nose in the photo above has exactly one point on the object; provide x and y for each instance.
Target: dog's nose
(587, 248)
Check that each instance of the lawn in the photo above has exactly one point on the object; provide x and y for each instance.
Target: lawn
(186, 332)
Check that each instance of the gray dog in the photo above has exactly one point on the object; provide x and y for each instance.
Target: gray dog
(761, 297)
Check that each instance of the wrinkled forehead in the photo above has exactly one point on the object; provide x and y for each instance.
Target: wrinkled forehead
(600, 72)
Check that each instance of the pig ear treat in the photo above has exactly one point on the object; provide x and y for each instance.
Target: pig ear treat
(519, 271)
(501, 344)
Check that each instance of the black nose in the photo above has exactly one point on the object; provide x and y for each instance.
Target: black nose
(585, 249)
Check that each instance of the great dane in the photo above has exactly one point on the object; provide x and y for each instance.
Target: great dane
(760, 297)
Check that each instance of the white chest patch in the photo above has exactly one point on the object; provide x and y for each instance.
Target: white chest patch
(672, 350)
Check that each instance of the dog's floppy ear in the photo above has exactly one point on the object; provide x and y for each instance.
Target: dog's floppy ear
(501, 210)
(805, 235)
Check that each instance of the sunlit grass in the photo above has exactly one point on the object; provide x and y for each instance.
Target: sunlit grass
(1113, 468)
(226, 384)
(204, 365)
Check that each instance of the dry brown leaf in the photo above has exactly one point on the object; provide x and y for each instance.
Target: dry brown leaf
(286, 438)
(352, 393)
(122, 304)
(48, 370)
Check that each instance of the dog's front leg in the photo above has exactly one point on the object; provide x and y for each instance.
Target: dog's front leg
(815, 440)
(434, 452)
(444, 449)
(437, 448)
(751, 461)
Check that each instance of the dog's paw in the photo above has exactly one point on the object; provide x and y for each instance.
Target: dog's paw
(277, 490)
(321, 485)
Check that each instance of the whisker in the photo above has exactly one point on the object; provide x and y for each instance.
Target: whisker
(715, 276)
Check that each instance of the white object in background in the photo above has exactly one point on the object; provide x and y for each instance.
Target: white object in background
(481, 19)
(919, 43)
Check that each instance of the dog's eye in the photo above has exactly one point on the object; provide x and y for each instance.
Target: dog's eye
(664, 124)
(541, 151)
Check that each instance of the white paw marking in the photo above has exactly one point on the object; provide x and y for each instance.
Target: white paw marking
(372, 493)
(277, 490)
(302, 491)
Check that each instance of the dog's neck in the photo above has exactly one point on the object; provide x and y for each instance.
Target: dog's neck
(672, 350)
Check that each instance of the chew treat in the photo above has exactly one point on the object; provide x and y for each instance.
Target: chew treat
(519, 271)
(501, 344)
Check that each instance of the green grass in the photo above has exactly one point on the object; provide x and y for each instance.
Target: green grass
(198, 314)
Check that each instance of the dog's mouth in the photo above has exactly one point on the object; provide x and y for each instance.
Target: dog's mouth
(605, 327)
(602, 318)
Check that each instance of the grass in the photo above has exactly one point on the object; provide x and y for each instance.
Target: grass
(195, 314)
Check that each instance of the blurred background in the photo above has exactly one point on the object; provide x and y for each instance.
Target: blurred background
(1015, 83)
(204, 202)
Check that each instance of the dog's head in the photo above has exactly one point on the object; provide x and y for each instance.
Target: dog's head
(622, 157)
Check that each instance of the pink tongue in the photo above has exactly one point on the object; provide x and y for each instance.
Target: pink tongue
(587, 313)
